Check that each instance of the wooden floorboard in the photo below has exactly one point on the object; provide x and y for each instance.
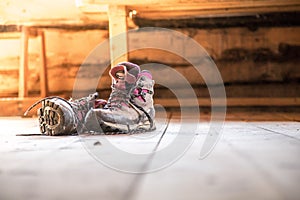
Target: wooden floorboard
(253, 159)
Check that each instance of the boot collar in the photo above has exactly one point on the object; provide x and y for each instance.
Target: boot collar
(129, 78)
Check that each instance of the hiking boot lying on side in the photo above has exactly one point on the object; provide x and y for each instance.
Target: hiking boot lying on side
(58, 116)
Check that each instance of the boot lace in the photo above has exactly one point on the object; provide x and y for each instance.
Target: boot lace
(83, 105)
(118, 97)
(79, 105)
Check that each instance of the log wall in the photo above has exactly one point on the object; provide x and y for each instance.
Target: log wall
(261, 62)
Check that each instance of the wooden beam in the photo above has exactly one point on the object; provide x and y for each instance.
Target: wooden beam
(158, 9)
(234, 102)
(71, 26)
(17, 106)
(154, 12)
(178, 4)
(23, 70)
(253, 22)
(117, 34)
(43, 67)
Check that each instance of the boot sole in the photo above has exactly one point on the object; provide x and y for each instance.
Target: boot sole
(111, 128)
(51, 118)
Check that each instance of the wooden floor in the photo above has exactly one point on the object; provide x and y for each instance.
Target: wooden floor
(257, 157)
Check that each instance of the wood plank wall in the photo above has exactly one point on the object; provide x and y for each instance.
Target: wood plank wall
(254, 62)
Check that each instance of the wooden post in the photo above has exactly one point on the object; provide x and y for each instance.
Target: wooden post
(117, 26)
(23, 70)
(43, 68)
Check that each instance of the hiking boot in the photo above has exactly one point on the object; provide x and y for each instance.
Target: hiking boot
(142, 96)
(58, 116)
(121, 114)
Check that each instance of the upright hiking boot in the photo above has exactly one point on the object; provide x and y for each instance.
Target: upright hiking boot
(58, 116)
(121, 113)
(142, 96)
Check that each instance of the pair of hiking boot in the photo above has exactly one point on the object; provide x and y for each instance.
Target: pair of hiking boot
(129, 108)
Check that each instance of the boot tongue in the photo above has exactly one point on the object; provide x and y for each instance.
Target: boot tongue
(120, 84)
(124, 80)
(128, 76)
(119, 77)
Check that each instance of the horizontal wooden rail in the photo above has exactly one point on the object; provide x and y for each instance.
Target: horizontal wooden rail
(192, 3)
(157, 9)
(240, 102)
(17, 106)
